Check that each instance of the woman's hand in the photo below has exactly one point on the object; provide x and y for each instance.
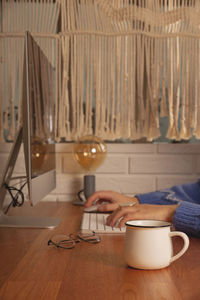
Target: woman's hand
(141, 211)
(109, 200)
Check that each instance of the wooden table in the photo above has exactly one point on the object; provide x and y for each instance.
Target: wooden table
(29, 269)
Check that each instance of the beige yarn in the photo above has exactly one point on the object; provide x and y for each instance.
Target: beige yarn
(132, 62)
(120, 65)
(41, 19)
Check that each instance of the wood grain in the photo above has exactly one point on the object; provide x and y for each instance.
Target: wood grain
(29, 269)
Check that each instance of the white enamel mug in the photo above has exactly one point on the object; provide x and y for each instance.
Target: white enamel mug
(148, 244)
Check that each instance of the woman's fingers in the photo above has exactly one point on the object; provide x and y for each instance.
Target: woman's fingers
(108, 207)
(109, 200)
(101, 196)
(120, 216)
(126, 218)
(141, 211)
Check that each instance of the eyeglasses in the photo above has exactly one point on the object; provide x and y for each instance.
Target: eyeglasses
(69, 241)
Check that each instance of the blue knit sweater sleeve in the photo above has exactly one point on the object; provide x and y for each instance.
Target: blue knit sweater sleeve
(187, 215)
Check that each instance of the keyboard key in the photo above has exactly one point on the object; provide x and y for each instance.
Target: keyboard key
(93, 222)
(85, 223)
(100, 222)
(97, 223)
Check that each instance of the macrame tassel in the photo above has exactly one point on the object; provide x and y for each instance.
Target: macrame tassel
(117, 125)
(155, 77)
(73, 102)
(128, 86)
(196, 130)
(80, 87)
(97, 85)
(104, 81)
(133, 129)
(185, 128)
(66, 113)
(113, 90)
(64, 130)
(172, 132)
(192, 82)
(163, 105)
(140, 84)
(153, 128)
(177, 52)
(147, 89)
(109, 55)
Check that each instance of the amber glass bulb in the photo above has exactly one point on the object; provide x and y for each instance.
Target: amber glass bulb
(38, 152)
(90, 152)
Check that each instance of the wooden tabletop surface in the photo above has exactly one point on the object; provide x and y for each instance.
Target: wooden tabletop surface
(29, 269)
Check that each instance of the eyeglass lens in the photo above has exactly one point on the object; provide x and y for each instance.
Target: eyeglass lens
(68, 242)
(89, 236)
(62, 241)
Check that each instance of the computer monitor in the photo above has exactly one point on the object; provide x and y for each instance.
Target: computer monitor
(37, 135)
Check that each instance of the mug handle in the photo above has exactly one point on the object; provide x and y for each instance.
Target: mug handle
(185, 246)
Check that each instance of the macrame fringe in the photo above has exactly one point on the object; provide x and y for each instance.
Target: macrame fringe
(139, 63)
(41, 19)
(124, 65)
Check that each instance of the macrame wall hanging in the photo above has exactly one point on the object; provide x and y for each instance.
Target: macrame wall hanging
(125, 64)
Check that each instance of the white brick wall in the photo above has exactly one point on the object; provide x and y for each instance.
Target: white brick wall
(128, 168)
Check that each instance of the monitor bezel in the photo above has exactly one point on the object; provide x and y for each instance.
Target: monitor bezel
(44, 182)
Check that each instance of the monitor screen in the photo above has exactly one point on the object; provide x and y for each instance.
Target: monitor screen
(38, 121)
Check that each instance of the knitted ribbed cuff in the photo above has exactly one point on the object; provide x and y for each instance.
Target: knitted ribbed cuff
(187, 218)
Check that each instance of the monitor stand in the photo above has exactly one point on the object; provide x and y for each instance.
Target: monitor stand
(28, 222)
(20, 221)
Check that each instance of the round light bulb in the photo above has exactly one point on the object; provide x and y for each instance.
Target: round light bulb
(39, 151)
(90, 151)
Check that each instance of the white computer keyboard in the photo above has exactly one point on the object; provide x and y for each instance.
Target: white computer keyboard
(97, 223)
